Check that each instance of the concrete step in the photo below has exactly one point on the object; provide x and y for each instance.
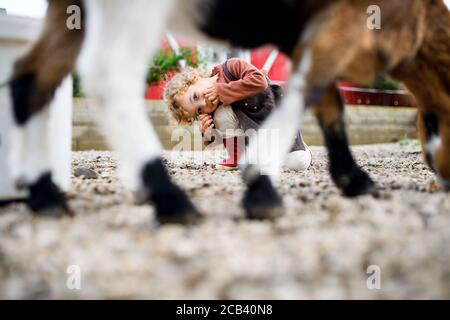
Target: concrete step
(365, 125)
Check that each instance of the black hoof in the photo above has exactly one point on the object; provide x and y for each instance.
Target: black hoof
(261, 200)
(46, 199)
(192, 218)
(355, 183)
(171, 203)
(174, 207)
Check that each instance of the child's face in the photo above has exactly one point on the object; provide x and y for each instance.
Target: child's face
(193, 101)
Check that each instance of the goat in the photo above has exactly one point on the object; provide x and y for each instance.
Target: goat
(326, 40)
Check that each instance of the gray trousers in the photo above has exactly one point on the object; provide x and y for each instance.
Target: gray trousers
(227, 123)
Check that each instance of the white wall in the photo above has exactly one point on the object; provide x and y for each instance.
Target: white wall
(29, 8)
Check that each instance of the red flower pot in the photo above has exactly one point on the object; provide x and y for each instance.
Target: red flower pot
(363, 96)
(155, 91)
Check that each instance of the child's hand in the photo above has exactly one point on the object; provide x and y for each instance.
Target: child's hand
(206, 123)
(212, 96)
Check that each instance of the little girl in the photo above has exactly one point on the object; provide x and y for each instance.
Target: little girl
(236, 97)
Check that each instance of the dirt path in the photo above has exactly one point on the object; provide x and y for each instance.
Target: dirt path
(320, 249)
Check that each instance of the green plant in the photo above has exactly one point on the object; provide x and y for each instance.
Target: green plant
(163, 63)
(166, 61)
(77, 89)
(410, 143)
(385, 82)
(192, 57)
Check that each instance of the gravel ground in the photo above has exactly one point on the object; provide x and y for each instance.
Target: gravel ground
(321, 248)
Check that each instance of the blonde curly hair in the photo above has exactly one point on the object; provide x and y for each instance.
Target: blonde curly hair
(176, 87)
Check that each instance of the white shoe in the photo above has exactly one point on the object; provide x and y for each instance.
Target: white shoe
(298, 160)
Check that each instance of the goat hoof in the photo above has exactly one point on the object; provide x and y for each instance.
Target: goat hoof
(53, 212)
(261, 200)
(46, 199)
(189, 218)
(171, 203)
(174, 207)
(265, 213)
(356, 183)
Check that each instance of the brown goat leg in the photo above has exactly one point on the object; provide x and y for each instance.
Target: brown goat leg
(36, 78)
(39, 73)
(347, 175)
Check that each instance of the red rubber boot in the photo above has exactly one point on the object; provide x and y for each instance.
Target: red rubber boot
(235, 147)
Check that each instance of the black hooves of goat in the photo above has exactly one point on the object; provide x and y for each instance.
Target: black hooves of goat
(171, 203)
(46, 199)
(174, 207)
(354, 182)
(261, 200)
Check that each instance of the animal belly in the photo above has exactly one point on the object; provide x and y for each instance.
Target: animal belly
(246, 24)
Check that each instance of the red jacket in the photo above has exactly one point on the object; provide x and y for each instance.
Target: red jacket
(252, 81)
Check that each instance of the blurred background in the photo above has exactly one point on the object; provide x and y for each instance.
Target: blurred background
(377, 112)
(321, 248)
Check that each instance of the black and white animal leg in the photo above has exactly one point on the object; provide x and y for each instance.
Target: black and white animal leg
(30, 154)
(268, 149)
(35, 80)
(116, 82)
